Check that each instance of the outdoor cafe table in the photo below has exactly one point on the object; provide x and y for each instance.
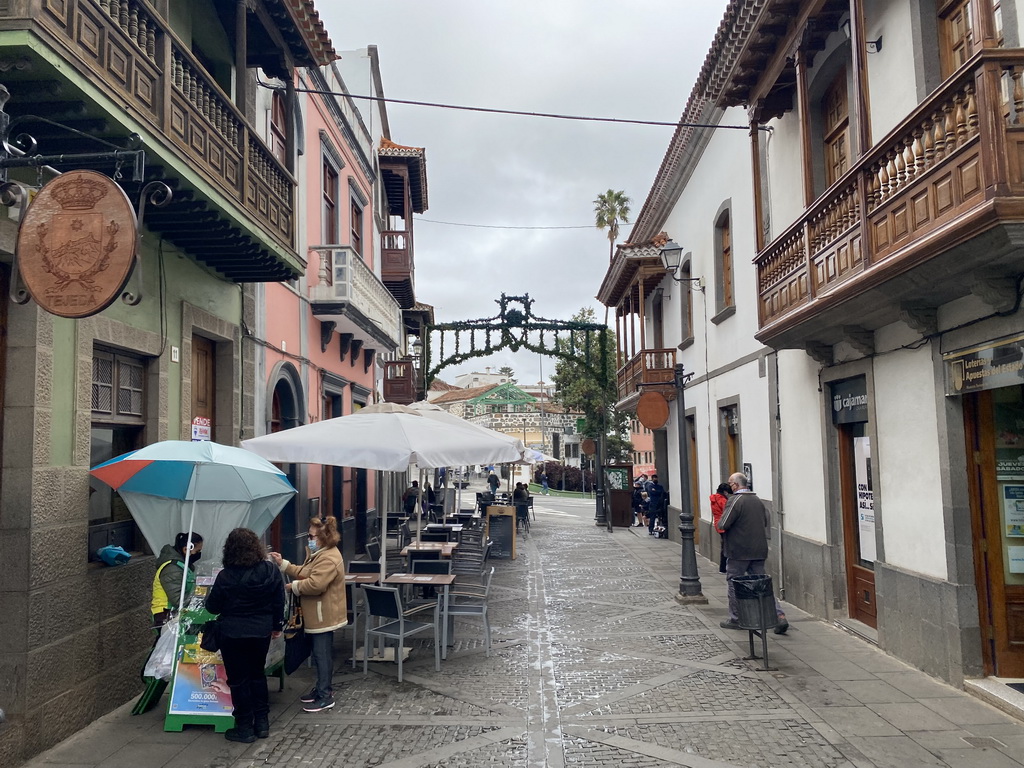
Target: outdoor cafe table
(443, 580)
(446, 547)
(453, 527)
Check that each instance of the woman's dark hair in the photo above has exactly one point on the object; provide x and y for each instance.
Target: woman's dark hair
(243, 549)
(724, 489)
(326, 531)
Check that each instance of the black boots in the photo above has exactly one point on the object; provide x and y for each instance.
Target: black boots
(261, 726)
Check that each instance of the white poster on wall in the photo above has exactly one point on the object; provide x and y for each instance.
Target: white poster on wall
(865, 497)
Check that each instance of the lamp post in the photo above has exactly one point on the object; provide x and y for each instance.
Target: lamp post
(689, 578)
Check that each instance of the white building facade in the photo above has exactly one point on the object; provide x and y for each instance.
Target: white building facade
(856, 338)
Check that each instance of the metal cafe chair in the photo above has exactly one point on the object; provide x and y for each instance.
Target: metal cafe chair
(356, 606)
(471, 600)
(385, 603)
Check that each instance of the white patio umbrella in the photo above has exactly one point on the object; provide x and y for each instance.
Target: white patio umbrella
(386, 437)
(436, 412)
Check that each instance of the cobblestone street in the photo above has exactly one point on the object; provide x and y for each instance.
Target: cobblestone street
(595, 664)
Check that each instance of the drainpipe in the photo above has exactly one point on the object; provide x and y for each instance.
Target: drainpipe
(777, 491)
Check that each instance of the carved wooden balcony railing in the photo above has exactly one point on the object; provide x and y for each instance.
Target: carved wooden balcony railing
(400, 382)
(128, 50)
(650, 366)
(396, 266)
(938, 171)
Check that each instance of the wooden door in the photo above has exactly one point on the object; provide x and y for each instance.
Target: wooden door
(204, 383)
(995, 435)
(857, 495)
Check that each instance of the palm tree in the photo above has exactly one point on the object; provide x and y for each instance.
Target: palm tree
(610, 208)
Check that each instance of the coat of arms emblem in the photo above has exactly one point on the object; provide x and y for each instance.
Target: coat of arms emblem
(76, 244)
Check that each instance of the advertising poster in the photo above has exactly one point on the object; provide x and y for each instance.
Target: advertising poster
(1013, 509)
(202, 430)
(865, 497)
(200, 689)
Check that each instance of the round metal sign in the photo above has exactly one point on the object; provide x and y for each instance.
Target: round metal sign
(76, 244)
(652, 410)
(588, 447)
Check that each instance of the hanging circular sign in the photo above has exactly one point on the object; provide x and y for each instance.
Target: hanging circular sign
(588, 447)
(652, 410)
(76, 244)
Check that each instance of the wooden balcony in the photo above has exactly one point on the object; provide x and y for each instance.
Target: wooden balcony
(396, 266)
(930, 213)
(114, 67)
(648, 368)
(400, 382)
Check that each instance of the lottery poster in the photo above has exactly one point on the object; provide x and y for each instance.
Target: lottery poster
(200, 689)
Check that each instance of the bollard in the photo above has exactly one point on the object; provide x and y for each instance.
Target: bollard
(755, 603)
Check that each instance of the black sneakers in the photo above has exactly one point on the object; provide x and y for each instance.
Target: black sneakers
(319, 705)
(308, 698)
(243, 735)
(781, 628)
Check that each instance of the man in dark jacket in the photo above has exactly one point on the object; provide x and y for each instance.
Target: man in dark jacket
(746, 524)
(655, 504)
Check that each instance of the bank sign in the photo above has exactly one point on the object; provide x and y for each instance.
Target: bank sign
(850, 401)
(997, 364)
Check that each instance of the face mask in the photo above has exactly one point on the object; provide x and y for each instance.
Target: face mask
(312, 545)
(195, 557)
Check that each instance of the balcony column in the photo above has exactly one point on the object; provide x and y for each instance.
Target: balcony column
(862, 113)
(803, 111)
(755, 161)
(241, 56)
(643, 318)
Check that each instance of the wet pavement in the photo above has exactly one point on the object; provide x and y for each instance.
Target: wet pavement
(594, 663)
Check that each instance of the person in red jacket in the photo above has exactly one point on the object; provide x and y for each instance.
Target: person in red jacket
(718, 501)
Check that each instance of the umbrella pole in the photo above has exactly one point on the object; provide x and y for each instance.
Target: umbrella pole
(188, 545)
(419, 510)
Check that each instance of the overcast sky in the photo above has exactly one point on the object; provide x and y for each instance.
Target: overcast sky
(636, 59)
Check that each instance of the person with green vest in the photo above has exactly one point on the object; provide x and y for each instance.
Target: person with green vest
(167, 580)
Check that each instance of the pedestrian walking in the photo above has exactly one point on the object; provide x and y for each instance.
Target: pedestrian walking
(544, 483)
(637, 501)
(493, 482)
(655, 504)
(248, 598)
(746, 523)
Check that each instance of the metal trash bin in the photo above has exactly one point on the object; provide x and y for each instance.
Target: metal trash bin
(755, 602)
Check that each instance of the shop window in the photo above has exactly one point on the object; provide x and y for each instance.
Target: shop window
(330, 203)
(836, 121)
(723, 262)
(118, 397)
(333, 501)
(955, 35)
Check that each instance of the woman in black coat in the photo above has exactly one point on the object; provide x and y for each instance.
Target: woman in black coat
(248, 597)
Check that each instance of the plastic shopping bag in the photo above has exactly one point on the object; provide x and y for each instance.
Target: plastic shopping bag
(276, 653)
(161, 660)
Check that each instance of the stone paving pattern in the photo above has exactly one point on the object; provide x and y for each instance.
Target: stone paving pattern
(595, 664)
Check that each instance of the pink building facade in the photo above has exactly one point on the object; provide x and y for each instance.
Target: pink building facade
(329, 333)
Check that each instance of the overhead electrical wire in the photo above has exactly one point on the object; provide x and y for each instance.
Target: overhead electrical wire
(500, 226)
(521, 113)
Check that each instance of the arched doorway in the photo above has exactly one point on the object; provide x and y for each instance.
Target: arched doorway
(286, 405)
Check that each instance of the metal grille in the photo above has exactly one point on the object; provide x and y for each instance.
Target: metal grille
(102, 383)
(129, 390)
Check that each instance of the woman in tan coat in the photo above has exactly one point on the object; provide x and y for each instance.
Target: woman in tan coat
(319, 583)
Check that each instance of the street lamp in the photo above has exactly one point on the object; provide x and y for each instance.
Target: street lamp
(689, 579)
(671, 260)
